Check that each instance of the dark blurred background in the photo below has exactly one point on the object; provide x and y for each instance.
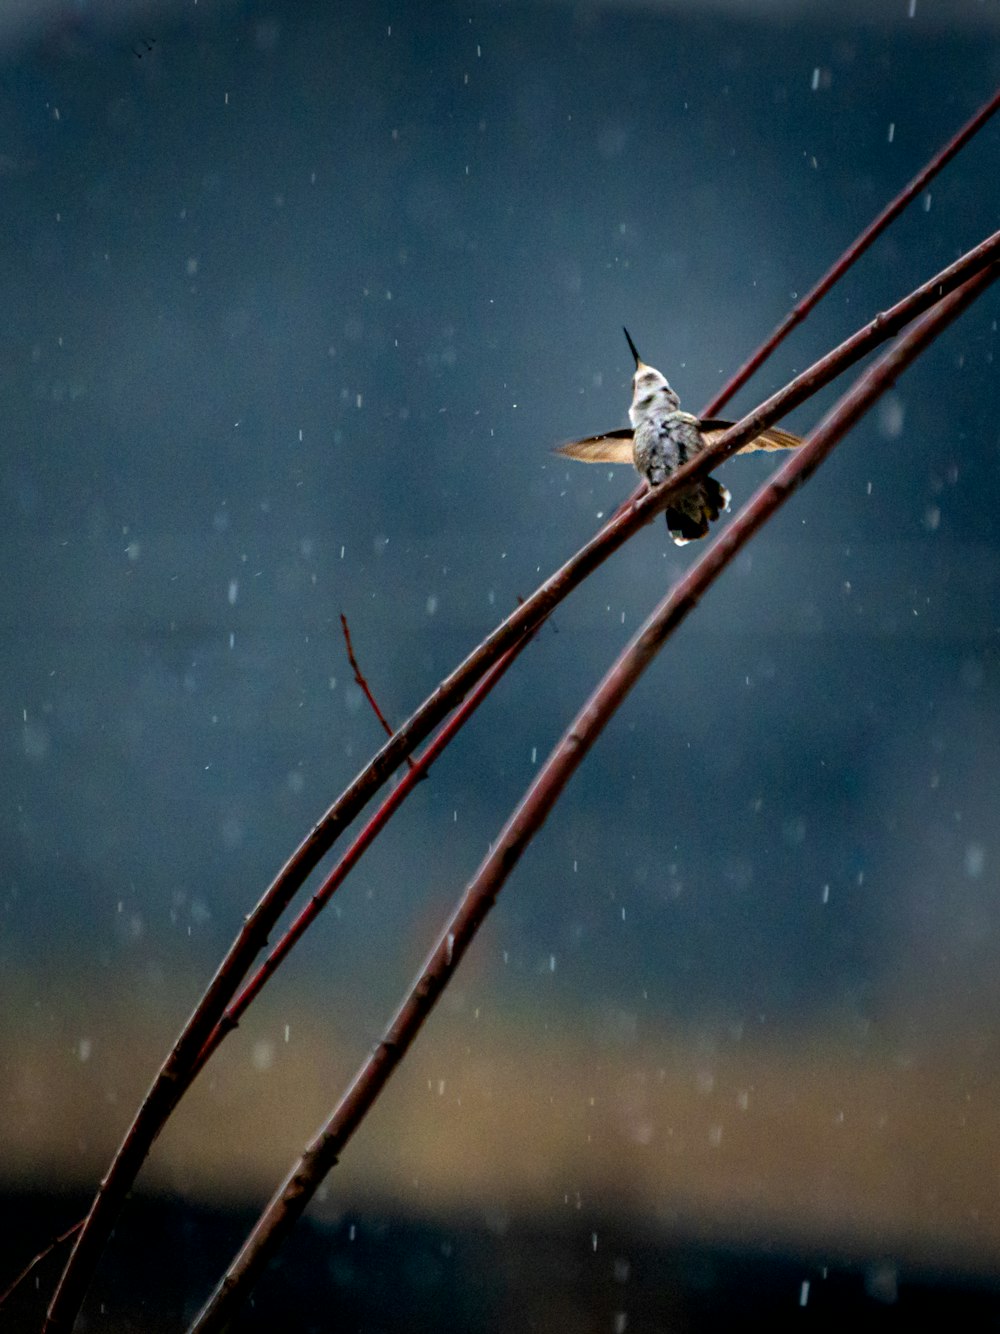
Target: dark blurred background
(297, 298)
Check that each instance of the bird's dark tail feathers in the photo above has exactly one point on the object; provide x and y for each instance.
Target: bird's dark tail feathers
(694, 509)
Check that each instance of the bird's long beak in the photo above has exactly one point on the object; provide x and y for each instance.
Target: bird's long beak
(638, 360)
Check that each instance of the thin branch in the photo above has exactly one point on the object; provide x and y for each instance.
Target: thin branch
(349, 860)
(854, 252)
(322, 1154)
(360, 680)
(174, 1075)
(980, 259)
(37, 1260)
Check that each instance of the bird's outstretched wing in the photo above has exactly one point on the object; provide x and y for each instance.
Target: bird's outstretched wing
(616, 446)
(772, 438)
(611, 447)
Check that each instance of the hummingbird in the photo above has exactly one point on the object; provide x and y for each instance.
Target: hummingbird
(660, 440)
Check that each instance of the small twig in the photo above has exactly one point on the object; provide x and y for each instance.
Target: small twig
(360, 680)
(321, 1155)
(37, 1260)
(853, 252)
(173, 1077)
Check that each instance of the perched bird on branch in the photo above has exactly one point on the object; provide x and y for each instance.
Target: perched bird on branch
(661, 439)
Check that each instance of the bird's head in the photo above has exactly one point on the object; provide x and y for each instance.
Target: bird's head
(650, 390)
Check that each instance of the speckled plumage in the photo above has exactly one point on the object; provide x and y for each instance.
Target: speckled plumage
(663, 438)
